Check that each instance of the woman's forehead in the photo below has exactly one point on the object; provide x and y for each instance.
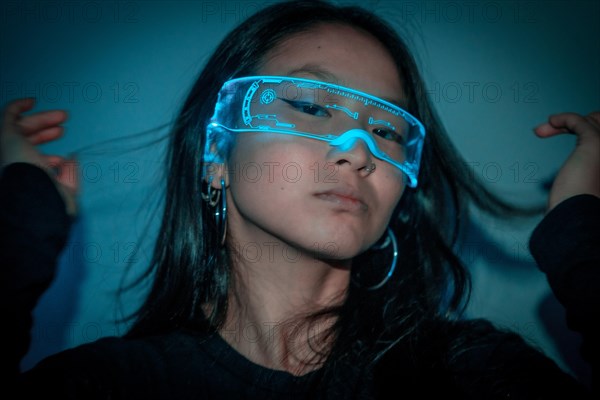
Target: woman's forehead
(337, 54)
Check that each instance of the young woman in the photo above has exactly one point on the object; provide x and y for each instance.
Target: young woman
(328, 275)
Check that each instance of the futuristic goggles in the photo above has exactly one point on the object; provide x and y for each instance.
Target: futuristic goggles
(317, 110)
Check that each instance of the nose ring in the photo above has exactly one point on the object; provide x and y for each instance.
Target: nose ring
(370, 168)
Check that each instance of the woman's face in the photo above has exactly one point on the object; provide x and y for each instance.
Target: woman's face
(307, 193)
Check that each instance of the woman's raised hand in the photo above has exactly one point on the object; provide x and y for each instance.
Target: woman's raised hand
(19, 136)
(580, 174)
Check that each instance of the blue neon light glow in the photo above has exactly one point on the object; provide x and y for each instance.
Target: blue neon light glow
(241, 96)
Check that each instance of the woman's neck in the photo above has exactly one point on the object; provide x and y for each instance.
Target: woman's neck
(269, 300)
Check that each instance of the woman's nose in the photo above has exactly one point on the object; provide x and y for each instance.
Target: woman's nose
(352, 149)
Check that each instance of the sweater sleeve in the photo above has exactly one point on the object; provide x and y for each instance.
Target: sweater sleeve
(566, 246)
(34, 227)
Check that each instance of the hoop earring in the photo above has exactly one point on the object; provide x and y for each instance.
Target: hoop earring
(212, 197)
(391, 238)
(221, 214)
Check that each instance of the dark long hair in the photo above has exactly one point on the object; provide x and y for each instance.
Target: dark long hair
(190, 268)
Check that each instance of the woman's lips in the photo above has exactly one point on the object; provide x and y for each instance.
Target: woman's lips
(342, 199)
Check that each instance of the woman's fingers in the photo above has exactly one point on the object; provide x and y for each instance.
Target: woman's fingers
(594, 119)
(31, 124)
(38, 128)
(580, 173)
(13, 111)
(46, 135)
(582, 126)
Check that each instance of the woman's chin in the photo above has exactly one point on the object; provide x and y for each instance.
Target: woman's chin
(337, 247)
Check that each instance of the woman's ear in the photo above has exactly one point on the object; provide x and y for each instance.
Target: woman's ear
(214, 172)
(214, 168)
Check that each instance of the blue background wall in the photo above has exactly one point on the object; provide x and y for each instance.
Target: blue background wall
(495, 69)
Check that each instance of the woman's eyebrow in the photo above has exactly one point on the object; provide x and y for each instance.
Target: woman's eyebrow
(318, 71)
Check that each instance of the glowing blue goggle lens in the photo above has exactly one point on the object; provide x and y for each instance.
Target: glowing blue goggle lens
(317, 110)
